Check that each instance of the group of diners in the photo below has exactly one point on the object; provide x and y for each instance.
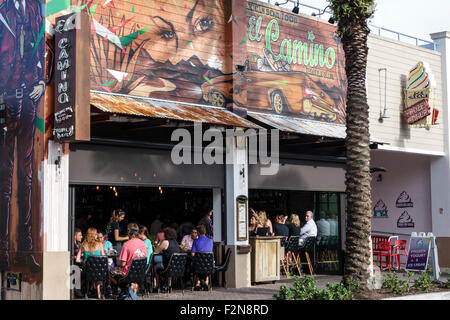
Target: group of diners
(260, 225)
(121, 249)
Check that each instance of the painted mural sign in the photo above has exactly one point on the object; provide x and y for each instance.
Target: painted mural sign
(404, 201)
(182, 50)
(419, 249)
(418, 110)
(22, 85)
(380, 210)
(405, 220)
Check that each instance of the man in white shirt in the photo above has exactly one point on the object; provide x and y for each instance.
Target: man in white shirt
(323, 228)
(309, 229)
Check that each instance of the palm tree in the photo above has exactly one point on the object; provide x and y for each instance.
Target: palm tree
(352, 16)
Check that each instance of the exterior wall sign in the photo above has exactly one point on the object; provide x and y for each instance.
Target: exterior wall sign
(72, 116)
(418, 110)
(404, 201)
(287, 64)
(380, 210)
(405, 220)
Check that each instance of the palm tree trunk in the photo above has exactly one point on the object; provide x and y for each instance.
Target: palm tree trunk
(358, 250)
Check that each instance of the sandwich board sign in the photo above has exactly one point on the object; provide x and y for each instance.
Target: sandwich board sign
(422, 249)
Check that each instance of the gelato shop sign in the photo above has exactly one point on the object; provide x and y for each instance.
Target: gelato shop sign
(418, 110)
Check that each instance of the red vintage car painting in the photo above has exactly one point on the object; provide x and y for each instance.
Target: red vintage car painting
(279, 91)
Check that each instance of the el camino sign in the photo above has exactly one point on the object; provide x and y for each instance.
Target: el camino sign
(72, 107)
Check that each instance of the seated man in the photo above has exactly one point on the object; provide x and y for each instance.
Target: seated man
(279, 228)
(204, 244)
(132, 249)
(309, 229)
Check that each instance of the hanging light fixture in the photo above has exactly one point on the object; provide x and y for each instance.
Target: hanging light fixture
(296, 8)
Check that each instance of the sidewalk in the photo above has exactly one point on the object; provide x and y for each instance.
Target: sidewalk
(263, 291)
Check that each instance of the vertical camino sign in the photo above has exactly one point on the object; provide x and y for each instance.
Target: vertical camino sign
(72, 85)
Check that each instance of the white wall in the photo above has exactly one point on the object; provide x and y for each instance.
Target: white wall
(398, 58)
(405, 172)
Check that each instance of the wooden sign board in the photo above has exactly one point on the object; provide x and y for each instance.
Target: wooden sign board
(72, 83)
(412, 96)
(417, 112)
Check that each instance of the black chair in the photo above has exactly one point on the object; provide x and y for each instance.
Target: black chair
(224, 266)
(147, 286)
(136, 273)
(309, 245)
(203, 264)
(292, 247)
(175, 269)
(96, 269)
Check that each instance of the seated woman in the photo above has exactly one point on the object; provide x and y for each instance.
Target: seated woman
(163, 251)
(265, 222)
(91, 247)
(294, 225)
(254, 225)
(144, 236)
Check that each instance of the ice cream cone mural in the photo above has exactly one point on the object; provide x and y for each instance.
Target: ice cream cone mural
(419, 110)
(405, 220)
(404, 201)
(380, 210)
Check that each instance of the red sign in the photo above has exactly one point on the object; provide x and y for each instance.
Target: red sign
(417, 112)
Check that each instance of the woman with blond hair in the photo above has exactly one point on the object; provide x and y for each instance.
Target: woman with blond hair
(294, 225)
(91, 246)
(265, 222)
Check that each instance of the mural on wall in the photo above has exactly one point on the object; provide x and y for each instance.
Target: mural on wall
(380, 210)
(404, 201)
(182, 50)
(405, 220)
(419, 110)
(22, 85)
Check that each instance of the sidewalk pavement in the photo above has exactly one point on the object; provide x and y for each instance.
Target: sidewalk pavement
(261, 291)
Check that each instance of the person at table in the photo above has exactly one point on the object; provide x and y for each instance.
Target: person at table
(294, 225)
(144, 236)
(132, 249)
(114, 230)
(265, 222)
(207, 222)
(106, 242)
(279, 228)
(77, 237)
(91, 247)
(163, 251)
(204, 244)
(253, 223)
(323, 229)
(188, 240)
(309, 229)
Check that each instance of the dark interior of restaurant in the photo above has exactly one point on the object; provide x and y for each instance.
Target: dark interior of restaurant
(94, 205)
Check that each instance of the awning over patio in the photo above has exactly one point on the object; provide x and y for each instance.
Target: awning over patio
(154, 108)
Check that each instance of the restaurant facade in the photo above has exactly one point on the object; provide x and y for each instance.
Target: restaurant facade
(127, 83)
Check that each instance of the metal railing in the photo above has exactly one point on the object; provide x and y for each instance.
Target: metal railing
(375, 29)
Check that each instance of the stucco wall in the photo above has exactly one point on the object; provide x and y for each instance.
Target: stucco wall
(405, 172)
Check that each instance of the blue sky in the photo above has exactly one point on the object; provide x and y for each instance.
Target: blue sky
(411, 17)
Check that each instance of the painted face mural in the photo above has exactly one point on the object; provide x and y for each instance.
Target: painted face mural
(22, 85)
(183, 50)
(160, 49)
